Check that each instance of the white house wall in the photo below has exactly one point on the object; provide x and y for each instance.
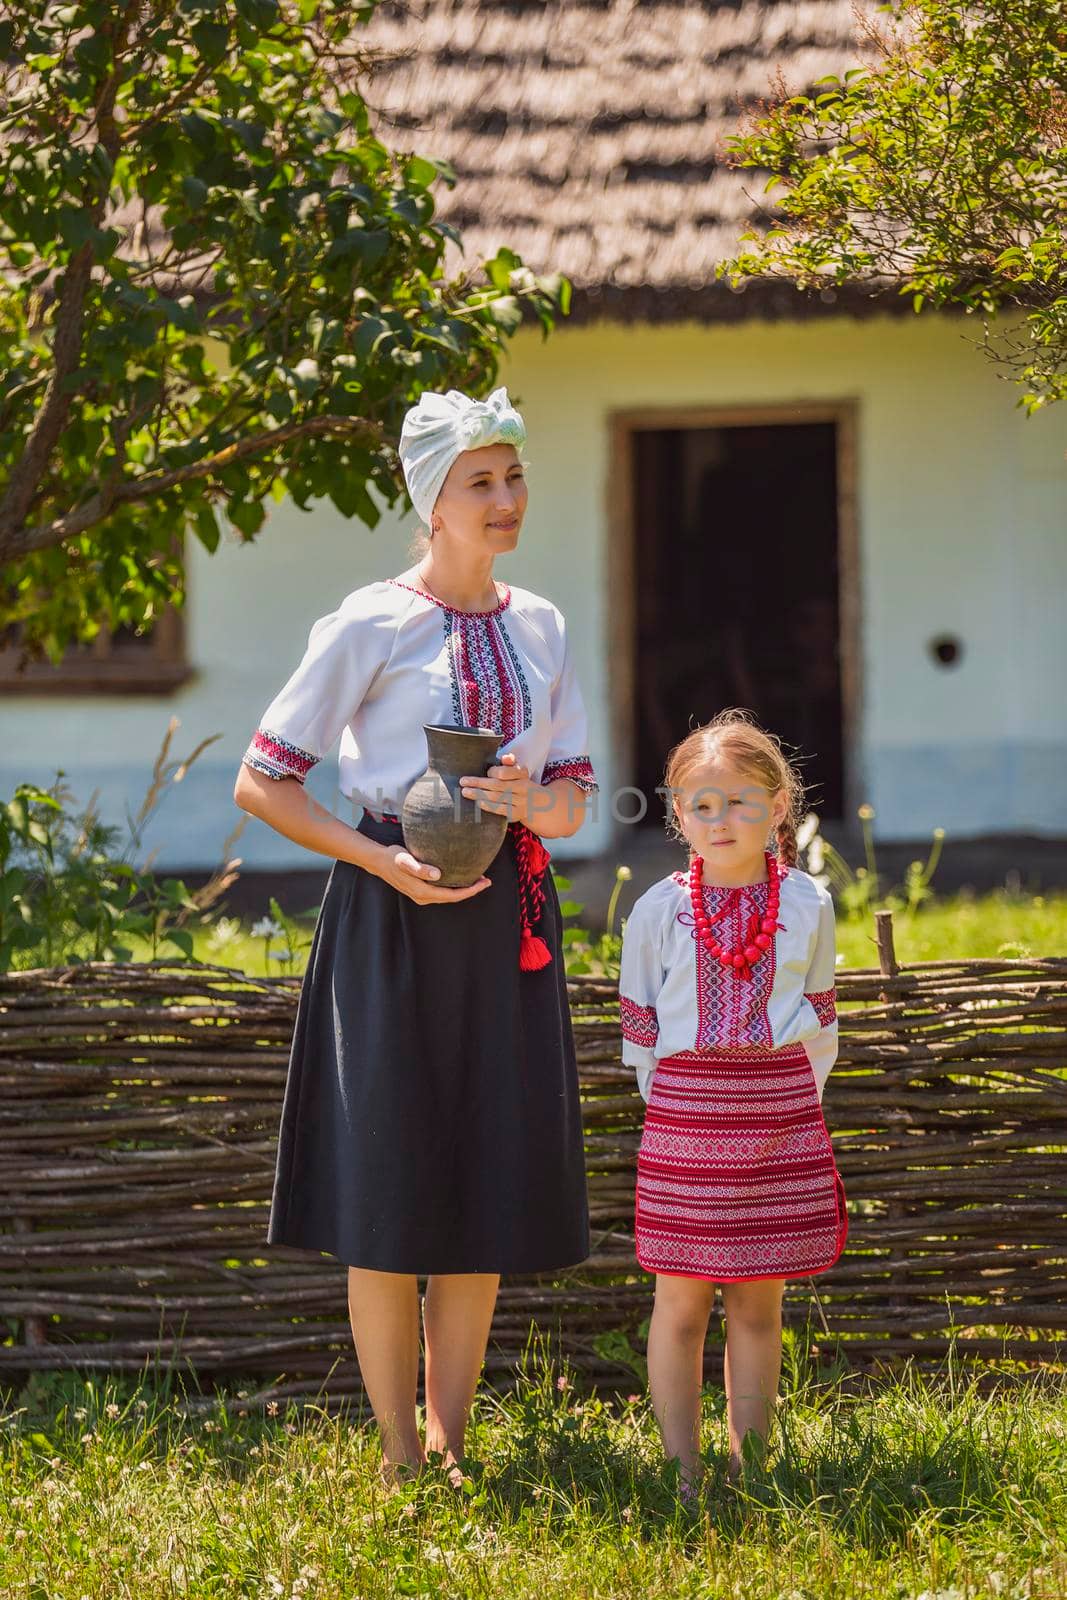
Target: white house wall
(961, 513)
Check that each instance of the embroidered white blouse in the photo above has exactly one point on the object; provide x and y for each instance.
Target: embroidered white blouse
(675, 997)
(391, 658)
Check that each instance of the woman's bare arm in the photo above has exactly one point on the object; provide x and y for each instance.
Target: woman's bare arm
(287, 807)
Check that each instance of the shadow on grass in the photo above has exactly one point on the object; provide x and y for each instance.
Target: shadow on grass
(875, 1463)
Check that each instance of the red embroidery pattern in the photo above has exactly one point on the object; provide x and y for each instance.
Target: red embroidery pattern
(736, 1177)
(489, 688)
(577, 769)
(729, 1013)
(275, 756)
(640, 1025)
(723, 1052)
(825, 1003)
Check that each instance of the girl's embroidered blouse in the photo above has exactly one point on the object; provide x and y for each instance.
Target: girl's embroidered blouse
(392, 658)
(676, 998)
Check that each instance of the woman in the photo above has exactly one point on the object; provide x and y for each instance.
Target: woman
(431, 1121)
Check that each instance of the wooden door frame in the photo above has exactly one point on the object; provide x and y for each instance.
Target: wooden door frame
(621, 563)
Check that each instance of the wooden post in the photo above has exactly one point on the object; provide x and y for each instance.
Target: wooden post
(887, 958)
(896, 1210)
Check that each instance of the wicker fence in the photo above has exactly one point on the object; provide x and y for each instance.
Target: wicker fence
(140, 1105)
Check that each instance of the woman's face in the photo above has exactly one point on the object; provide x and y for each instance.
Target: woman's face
(483, 500)
(726, 816)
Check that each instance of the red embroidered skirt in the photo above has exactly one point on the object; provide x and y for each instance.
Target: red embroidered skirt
(736, 1177)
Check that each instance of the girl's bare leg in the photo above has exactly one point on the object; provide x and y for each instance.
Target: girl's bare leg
(753, 1359)
(383, 1308)
(676, 1364)
(457, 1312)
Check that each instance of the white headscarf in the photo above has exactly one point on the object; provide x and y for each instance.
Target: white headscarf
(440, 427)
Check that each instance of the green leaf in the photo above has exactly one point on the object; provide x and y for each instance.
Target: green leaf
(195, 191)
(201, 130)
(247, 515)
(206, 527)
(211, 40)
(369, 246)
(506, 313)
(261, 14)
(93, 52)
(372, 335)
(75, 226)
(351, 498)
(420, 172)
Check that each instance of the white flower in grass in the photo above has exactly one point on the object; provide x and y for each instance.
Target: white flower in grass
(225, 931)
(807, 830)
(266, 928)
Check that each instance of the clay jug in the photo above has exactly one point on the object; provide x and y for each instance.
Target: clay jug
(440, 825)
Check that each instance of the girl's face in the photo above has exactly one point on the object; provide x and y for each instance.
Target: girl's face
(483, 500)
(727, 817)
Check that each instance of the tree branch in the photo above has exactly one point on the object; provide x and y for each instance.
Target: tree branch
(135, 131)
(24, 541)
(67, 343)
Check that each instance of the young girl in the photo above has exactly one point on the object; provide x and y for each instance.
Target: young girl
(728, 1016)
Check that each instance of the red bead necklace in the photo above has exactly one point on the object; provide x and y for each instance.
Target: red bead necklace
(760, 931)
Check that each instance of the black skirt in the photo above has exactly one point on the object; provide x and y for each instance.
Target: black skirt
(431, 1120)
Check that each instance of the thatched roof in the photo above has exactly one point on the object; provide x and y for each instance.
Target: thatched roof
(589, 134)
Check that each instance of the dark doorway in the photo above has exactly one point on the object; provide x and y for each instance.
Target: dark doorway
(737, 593)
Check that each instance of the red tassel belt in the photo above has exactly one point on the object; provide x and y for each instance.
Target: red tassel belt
(531, 860)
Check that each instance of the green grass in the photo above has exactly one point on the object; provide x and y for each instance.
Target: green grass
(997, 924)
(965, 926)
(916, 1488)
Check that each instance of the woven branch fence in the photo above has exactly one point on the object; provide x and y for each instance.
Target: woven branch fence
(139, 1107)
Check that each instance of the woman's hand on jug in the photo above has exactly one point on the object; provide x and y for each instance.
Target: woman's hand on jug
(506, 791)
(417, 879)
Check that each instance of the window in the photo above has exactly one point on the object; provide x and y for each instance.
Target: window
(117, 663)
